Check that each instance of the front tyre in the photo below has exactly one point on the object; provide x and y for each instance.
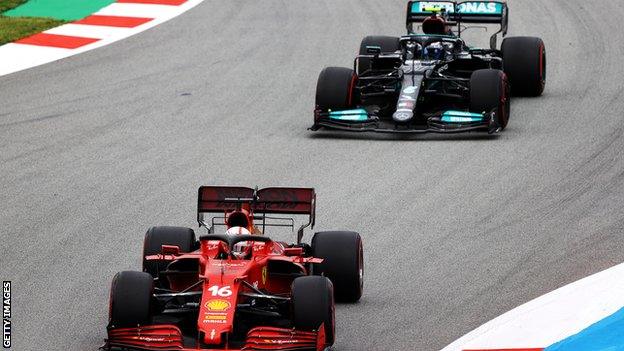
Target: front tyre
(131, 300)
(489, 91)
(313, 305)
(335, 89)
(524, 60)
(343, 262)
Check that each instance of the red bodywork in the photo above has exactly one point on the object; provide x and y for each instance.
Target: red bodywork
(169, 337)
(225, 279)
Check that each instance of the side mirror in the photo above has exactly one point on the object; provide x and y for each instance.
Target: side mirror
(293, 251)
(373, 50)
(170, 250)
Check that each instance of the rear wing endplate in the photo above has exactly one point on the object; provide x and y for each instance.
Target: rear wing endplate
(485, 12)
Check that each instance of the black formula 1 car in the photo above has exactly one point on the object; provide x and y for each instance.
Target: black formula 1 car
(433, 81)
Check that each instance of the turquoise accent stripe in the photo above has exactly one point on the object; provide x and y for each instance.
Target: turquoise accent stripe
(463, 114)
(461, 117)
(349, 115)
(605, 335)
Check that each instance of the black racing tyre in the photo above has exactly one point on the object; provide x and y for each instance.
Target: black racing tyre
(524, 60)
(156, 237)
(334, 89)
(387, 44)
(489, 90)
(343, 262)
(313, 304)
(131, 300)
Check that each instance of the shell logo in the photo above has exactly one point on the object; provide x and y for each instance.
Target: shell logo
(217, 305)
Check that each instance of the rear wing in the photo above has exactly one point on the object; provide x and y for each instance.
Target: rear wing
(222, 199)
(485, 12)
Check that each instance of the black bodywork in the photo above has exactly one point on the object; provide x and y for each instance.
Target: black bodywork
(408, 92)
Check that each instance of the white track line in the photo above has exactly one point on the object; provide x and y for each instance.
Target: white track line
(16, 57)
(552, 317)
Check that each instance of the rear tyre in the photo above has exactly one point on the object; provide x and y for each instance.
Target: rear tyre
(334, 89)
(343, 262)
(131, 300)
(524, 59)
(313, 304)
(156, 237)
(387, 44)
(489, 91)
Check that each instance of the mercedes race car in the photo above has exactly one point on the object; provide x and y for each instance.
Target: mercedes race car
(237, 289)
(433, 81)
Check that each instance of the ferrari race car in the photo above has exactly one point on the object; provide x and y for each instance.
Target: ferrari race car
(237, 289)
(433, 81)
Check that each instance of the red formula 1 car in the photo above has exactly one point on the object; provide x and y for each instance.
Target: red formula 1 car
(239, 290)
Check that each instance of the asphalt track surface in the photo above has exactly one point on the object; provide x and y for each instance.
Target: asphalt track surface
(98, 147)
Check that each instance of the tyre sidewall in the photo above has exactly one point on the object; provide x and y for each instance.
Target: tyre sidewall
(489, 90)
(524, 61)
(131, 300)
(335, 89)
(343, 262)
(313, 304)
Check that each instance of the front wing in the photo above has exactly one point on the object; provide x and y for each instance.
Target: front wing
(169, 338)
(363, 122)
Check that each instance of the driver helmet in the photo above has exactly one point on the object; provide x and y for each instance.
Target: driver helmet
(434, 51)
(435, 25)
(241, 248)
(238, 218)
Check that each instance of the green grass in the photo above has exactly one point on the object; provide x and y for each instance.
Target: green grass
(14, 28)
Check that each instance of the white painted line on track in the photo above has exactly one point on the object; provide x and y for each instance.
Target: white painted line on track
(552, 317)
(16, 57)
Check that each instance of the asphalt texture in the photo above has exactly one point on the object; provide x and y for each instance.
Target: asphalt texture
(96, 148)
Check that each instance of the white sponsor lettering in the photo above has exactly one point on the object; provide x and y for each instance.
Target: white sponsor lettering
(478, 7)
(6, 314)
(224, 291)
(426, 6)
(473, 7)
